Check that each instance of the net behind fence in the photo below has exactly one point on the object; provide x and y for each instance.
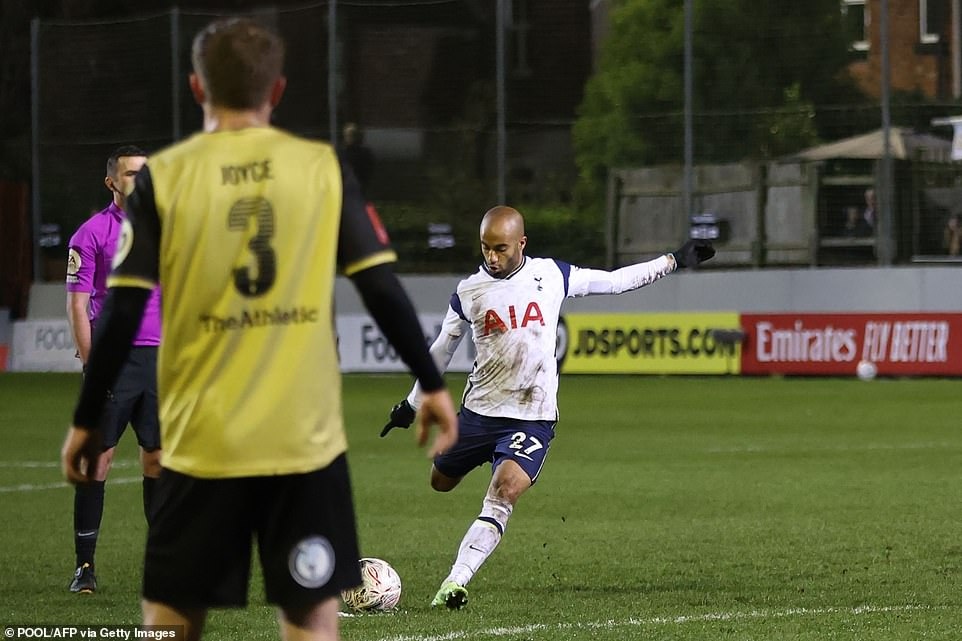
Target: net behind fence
(415, 83)
(99, 86)
(418, 80)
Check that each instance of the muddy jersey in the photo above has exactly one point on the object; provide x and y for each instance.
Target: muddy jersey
(513, 322)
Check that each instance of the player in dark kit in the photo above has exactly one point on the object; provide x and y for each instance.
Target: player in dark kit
(244, 226)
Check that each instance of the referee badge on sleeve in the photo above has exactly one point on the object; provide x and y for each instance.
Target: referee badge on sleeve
(73, 265)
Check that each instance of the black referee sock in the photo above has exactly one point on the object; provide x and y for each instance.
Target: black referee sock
(149, 484)
(88, 510)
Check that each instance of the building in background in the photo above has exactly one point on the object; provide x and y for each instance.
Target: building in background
(924, 47)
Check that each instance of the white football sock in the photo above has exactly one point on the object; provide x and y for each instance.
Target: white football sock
(480, 539)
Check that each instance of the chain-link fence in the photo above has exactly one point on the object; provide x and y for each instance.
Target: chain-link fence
(417, 78)
(420, 80)
(99, 85)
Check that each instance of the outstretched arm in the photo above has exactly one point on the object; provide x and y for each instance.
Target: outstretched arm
(588, 282)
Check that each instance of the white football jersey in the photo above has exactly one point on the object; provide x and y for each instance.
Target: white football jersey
(514, 326)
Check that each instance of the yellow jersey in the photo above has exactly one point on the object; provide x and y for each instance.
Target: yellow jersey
(244, 231)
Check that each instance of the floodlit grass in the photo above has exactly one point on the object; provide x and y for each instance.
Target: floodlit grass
(669, 508)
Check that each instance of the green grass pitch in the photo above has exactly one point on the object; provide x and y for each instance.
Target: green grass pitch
(669, 508)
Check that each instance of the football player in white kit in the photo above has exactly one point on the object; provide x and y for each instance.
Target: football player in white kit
(510, 403)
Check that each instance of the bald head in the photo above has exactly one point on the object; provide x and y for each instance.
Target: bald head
(502, 240)
(505, 219)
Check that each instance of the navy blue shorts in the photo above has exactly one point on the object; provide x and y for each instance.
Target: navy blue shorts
(133, 400)
(484, 439)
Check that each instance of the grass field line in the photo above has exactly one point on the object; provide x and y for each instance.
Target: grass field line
(708, 617)
(33, 487)
(56, 464)
(860, 447)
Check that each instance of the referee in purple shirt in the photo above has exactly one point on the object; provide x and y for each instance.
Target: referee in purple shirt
(134, 397)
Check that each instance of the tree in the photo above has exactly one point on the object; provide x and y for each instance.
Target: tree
(759, 70)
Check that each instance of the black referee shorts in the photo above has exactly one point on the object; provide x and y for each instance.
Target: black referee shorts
(133, 400)
(203, 530)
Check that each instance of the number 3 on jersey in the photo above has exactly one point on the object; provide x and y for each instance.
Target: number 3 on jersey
(518, 443)
(259, 212)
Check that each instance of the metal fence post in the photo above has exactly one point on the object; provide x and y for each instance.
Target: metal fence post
(688, 180)
(499, 81)
(35, 143)
(886, 205)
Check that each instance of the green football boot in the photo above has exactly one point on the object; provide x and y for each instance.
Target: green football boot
(451, 595)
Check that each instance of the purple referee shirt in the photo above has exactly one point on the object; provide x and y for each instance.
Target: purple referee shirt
(89, 259)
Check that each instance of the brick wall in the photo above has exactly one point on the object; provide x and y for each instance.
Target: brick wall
(914, 67)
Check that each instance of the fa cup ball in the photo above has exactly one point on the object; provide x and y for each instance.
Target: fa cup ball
(380, 588)
(866, 370)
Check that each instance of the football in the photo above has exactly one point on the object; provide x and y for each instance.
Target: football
(866, 370)
(380, 588)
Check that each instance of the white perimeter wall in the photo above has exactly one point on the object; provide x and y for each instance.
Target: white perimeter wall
(43, 341)
(895, 289)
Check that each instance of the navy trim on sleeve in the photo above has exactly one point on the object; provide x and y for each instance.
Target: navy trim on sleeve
(565, 269)
(456, 306)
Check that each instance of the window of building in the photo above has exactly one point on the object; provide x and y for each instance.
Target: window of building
(932, 14)
(855, 14)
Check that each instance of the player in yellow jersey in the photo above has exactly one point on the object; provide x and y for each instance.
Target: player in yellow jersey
(244, 227)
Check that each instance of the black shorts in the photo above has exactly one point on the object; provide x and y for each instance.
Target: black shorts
(202, 532)
(133, 400)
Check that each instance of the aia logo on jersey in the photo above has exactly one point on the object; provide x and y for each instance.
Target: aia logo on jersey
(494, 323)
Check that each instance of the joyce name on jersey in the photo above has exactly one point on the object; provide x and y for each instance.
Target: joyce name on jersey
(245, 231)
(514, 322)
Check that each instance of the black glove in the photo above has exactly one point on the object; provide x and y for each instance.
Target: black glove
(402, 415)
(693, 252)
